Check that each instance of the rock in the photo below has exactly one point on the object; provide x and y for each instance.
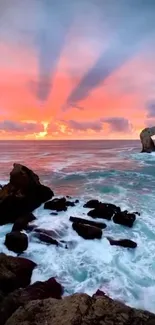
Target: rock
(21, 223)
(76, 201)
(22, 194)
(86, 231)
(92, 204)
(56, 204)
(30, 228)
(16, 241)
(98, 293)
(54, 213)
(79, 309)
(46, 239)
(38, 290)
(124, 219)
(15, 272)
(104, 211)
(122, 242)
(146, 140)
(70, 204)
(88, 222)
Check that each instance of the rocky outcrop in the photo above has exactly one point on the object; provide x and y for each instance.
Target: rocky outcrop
(58, 204)
(92, 204)
(22, 222)
(86, 231)
(146, 140)
(22, 194)
(16, 241)
(20, 297)
(122, 242)
(79, 309)
(124, 218)
(104, 211)
(15, 272)
(88, 222)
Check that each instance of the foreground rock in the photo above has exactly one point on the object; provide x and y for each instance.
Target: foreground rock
(104, 211)
(88, 222)
(124, 218)
(58, 204)
(79, 309)
(22, 222)
(122, 242)
(15, 272)
(86, 231)
(22, 194)
(20, 297)
(46, 238)
(16, 241)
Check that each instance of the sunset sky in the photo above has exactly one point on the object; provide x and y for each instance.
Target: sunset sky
(76, 69)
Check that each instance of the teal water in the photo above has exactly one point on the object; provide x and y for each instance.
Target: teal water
(112, 171)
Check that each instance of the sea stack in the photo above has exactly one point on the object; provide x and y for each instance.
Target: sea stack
(146, 140)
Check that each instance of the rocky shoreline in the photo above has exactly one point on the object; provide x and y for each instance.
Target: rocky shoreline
(43, 302)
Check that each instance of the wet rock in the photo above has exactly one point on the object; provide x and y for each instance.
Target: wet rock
(76, 201)
(30, 228)
(22, 222)
(122, 242)
(46, 239)
(16, 241)
(22, 194)
(124, 218)
(86, 231)
(79, 309)
(104, 211)
(15, 272)
(51, 233)
(92, 204)
(88, 222)
(54, 213)
(70, 204)
(56, 204)
(38, 290)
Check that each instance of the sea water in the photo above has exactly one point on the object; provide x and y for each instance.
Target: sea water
(111, 171)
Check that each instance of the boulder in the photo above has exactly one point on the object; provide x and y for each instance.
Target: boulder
(104, 211)
(88, 222)
(22, 222)
(124, 218)
(122, 242)
(15, 272)
(30, 228)
(98, 293)
(58, 204)
(92, 204)
(38, 290)
(86, 231)
(79, 309)
(22, 194)
(46, 239)
(16, 241)
(146, 140)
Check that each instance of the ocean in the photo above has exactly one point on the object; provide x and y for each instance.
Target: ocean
(114, 172)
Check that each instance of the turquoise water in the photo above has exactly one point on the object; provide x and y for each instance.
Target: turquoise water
(112, 171)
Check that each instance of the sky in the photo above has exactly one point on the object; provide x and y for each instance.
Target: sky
(76, 69)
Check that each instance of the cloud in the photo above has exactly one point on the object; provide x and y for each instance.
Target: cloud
(20, 127)
(118, 124)
(151, 109)
(84, 126)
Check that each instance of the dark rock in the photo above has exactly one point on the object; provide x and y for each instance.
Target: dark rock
(30, 228)
(92, 204)
(76, 201)
(15, 272)
(21, 223)
(99, 293)
(104, 211)
(46, 239)
(122, 242)
(16, 241)
(54, 213)
(88, 222)
(56, 204)
(124, 218)
(38, 290)
(70, 204)
(79, 309)
(22, 194)
(86, 231)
